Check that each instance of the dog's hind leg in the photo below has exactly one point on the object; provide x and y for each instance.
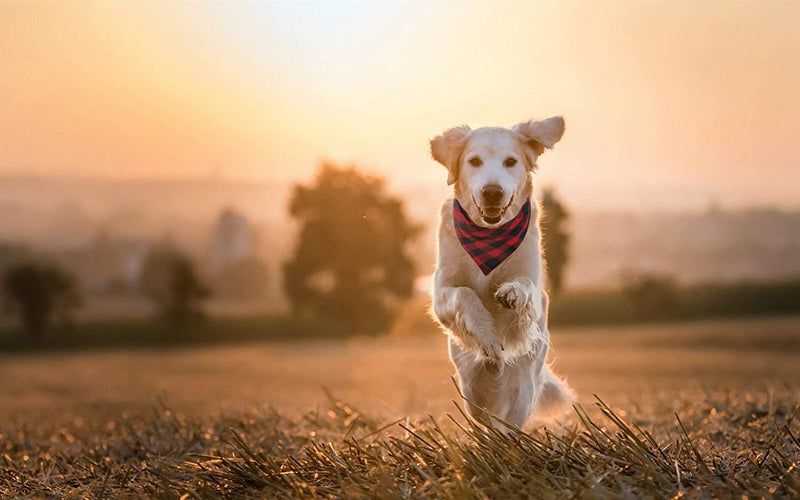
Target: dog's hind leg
(506, 391)
(521, 392)
(480, 383)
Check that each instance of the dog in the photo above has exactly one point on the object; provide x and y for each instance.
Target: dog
(487, 292)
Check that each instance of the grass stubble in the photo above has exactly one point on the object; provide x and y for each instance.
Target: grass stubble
(699, 445)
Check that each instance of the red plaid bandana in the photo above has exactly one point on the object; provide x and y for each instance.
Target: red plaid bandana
(489, 247)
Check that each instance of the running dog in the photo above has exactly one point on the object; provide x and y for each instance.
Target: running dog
(487, 291)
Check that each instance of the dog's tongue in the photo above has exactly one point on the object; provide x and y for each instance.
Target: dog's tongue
(492, 215)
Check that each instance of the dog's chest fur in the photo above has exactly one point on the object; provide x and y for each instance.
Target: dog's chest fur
(461, 270)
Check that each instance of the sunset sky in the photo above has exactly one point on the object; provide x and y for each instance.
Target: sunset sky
(667, 104)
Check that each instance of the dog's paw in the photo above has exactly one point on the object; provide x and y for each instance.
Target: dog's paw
(493, 351)
(460, 326)
(481, 340)
(537, 309)
(511, 295)
(470, 333)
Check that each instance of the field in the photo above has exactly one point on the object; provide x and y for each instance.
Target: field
(703, 408)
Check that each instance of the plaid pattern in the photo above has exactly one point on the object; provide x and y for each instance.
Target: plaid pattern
(489, 247)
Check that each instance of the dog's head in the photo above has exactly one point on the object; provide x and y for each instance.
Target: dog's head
(491, 167)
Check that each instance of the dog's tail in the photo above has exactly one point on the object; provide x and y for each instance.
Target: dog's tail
(556, 397)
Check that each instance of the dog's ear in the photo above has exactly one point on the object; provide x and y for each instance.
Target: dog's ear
(540, 135)
(447, 148)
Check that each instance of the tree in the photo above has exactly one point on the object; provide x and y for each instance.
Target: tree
(170, 280)
(555, 239)
(37, 291)
(350, 266)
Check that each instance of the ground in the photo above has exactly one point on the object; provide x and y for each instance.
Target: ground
(164, 411)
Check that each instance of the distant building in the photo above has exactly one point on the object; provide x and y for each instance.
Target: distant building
(232, 240)
(134, 262)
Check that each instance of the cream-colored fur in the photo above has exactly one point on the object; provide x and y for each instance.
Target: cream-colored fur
(497, 324)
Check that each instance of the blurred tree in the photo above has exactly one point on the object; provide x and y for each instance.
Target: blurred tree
(555, 239)
(171, 280)
(350, 266)
(37, 291)
(652, 296)
(243, 279)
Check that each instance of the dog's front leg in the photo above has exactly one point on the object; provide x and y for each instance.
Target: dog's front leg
(461, 311)
(523, 297)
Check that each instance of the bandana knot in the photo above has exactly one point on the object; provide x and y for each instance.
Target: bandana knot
(490, 246)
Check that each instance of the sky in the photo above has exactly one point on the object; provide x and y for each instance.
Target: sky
(667, 104)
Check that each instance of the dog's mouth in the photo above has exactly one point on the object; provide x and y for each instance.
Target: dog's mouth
(492, 215)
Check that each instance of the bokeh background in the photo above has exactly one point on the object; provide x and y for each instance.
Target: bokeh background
(188, 189)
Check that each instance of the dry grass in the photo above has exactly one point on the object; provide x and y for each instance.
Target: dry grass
(723, 445)
(689, 413)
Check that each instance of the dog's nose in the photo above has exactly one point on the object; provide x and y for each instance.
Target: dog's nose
(492, 194)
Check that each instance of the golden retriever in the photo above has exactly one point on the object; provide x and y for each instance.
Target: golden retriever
(495, 314)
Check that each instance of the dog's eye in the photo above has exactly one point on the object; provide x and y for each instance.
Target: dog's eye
(510, 162)
(475, 161)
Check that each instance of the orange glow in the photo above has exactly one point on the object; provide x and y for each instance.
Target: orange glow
(695, 101)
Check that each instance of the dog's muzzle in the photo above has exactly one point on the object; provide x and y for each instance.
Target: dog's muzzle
(492, 215)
